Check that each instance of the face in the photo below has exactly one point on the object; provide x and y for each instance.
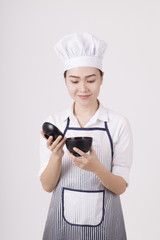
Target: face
(83, 84)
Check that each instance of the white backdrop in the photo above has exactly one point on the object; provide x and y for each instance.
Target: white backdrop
(32, 87)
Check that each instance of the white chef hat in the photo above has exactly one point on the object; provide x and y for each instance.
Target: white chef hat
(80, 49)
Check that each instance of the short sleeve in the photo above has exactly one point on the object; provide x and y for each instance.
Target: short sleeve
(123, 147)
(44, 151)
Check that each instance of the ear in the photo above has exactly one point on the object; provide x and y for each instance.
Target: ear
(65, 76)
(102, 78)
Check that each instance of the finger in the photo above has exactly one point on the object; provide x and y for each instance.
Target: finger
(76, 160)
(54, 143)
(73, 158)
(92, 149)
(77, 164)
(49, 141)
(70, 154)
(60, 144)
(77, 150)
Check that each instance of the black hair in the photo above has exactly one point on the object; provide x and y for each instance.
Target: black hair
(101, 73)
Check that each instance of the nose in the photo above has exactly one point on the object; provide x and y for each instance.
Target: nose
(83, 87)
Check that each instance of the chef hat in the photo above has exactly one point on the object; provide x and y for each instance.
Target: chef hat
(80, 49)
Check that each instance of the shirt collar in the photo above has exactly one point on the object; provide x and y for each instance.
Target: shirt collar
(101, 113)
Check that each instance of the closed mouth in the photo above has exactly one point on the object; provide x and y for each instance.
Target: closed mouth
(83, 96)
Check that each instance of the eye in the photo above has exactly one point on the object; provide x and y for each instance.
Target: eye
(74, 82)
(91, 81)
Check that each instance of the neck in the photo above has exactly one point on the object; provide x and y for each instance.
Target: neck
(85, 111)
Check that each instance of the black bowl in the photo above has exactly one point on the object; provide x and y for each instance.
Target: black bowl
(51, 130)
(83, 143)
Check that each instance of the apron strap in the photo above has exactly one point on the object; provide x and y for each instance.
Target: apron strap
(110, 139)
(106, 128)
(67, 126)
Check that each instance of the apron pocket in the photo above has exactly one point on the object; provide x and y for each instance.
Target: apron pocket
(83, 208)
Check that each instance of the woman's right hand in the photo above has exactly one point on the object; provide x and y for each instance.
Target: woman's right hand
(55, 147)
(51, 174)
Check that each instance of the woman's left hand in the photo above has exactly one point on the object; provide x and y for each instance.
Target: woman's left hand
(88, 162)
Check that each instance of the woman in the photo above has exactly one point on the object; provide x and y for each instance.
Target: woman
(85, 202)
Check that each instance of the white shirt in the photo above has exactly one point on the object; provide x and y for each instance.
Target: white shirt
(119, 129)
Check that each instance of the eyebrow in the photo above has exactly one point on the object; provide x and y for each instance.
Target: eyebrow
(85, 76)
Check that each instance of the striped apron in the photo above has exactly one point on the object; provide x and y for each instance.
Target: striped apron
(81, 207)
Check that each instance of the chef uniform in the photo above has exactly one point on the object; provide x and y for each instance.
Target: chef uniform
(81, 207)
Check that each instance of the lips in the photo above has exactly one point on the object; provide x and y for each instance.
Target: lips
(83, 96)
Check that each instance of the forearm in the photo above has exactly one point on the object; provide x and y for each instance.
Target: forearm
(112, 182)
(51, 174)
